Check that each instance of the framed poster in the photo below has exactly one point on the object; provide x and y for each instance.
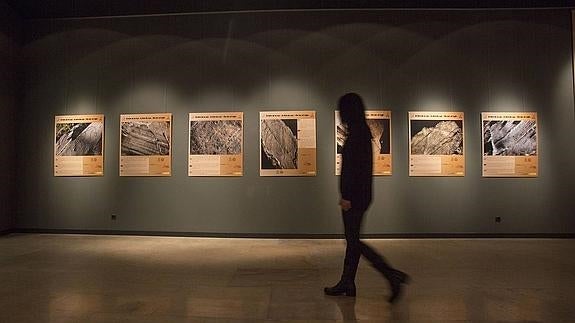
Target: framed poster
(79, 145)
(436, 144)
(146, 144)
(509, 146)
(287, 143)
(379, 122)
(216, 144)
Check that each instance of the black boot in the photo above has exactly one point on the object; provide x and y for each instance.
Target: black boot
(396, 278)
(341, 288)
(346, 285)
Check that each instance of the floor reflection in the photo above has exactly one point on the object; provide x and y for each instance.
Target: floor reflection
(76, 278)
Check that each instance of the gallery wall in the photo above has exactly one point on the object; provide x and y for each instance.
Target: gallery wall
(9, 47)
(469, 61)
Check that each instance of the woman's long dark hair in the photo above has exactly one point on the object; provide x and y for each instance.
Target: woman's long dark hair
(352, 112)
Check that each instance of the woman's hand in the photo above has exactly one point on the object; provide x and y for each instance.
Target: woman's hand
(345, 204)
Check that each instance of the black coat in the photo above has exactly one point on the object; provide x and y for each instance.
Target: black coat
(355, 182)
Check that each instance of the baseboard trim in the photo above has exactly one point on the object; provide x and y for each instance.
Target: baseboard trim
(544, 235)
(6, 232)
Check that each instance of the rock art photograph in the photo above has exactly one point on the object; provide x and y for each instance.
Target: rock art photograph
(279, 149)
(145, 138)
(380, 135)
(341, 136)
(432, 137)
(510, 138)
(79, 139)
(217, 137)
(379, 132)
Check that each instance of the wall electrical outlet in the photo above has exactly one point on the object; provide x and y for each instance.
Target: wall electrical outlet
(497, 219)
(113, 217)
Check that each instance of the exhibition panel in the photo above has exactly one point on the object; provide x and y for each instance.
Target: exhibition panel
(436, 141)
(288, 143)
(379, 122)
(509, 144)
(79, 145)
(216, 144)
(146, 144)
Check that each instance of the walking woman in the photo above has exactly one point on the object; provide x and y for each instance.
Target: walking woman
(356, 194)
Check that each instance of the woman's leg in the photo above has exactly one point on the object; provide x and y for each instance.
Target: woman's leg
(395, 277)
(376, 260)
(346, 285)
(352, 224)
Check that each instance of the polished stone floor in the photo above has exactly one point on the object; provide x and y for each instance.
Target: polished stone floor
(83, 278)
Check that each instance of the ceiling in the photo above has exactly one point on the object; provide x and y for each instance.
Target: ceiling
(37, 9)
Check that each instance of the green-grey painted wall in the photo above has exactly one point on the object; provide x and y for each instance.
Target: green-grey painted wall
(10, 32)
(469, 61)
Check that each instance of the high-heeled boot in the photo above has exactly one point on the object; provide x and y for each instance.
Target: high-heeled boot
(346, 284)
(396, 278)
(341, 288)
